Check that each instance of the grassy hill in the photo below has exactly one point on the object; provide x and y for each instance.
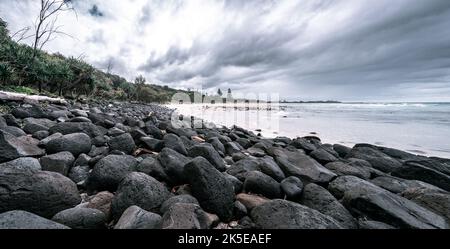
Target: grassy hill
(55, 74)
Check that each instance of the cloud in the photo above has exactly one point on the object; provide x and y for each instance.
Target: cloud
(304, 49)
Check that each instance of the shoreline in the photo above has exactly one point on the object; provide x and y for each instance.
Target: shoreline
(126, 165)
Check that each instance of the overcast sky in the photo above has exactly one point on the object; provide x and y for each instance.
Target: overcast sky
(349, 50)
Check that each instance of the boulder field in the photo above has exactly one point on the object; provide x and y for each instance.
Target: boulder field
(120, 165)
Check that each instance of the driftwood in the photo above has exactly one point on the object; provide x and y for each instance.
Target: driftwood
(32, 99)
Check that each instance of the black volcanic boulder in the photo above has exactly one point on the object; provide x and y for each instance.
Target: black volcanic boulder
(109, 172)
(304, 144)
(260, 183)
(152, 167)
(375, 157)
(141, 190)
(295, 163)
(173, 164)
(81, 218)
(185, 216)
(211, 188)
(174, 142)
(135, 217)
(75, 143)
(318, 198)
(366, 198)
(60, 162)
(416, 171)
(12, 147)
(152, 143)
(18, 219)
(323, 156)
(40, 192)
(292, 187)
(124, 143)
(23, 163)
(153, 131)
(33, 111)
(341, 168)
(69, 127)
(282, 214)
(32, 125)
(209, 153)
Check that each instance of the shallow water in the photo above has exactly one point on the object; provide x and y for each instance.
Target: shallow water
(420, 128)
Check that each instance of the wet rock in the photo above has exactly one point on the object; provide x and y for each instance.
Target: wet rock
(41, 192)
(81, 218)
(135, 217)
(282, 214)
(211, 188)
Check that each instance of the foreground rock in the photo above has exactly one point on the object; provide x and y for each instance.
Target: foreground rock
(60, 162)
(135, 217)
(281, 214)
(81, 218)
(364, 197)
(75, 143)
(43, 193)
(12, 147)
(141, 190)
(213, 191)
(18, 219)
(23, 163)
(416, 171)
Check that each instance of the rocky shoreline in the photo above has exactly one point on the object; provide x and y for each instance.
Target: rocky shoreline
(110, 165)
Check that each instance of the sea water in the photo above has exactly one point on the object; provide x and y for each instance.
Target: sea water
(419, 128)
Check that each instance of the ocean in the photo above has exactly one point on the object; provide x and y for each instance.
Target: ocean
(419, 128)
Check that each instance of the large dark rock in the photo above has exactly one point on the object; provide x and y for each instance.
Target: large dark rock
(302, 143)
(173, 164)
(141, 190)
(81, 218)
(177, 199)
(60, 162)
(342, 150)
(215, 142)
(135, 217)
(18, 219)
(213, 191)
(15, 131)
(124, 143)
(23, 163)
(209, 153)
(109, 172)
(152, 143)
(292, 187)
(318, 198)
(40, 192)
(375, 157)
(33, 111)
(282, 214)
(397, 185)
(323, 156)
(185, 216)
(260, 183)
(152, 167)
(232, 147)
(75, 143)
(435, 200)
(173, 142)
(415, 171)
(365, 198)
(90, 129)
(153, 131)
(295, 163)
(12, 147)
(269, 167)
(32, 125)
(341, 168)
